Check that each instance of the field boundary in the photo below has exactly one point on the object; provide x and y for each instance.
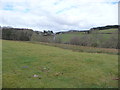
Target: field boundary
(81, 48)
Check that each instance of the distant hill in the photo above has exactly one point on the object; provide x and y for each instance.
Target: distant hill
(22, 34)
(105, 27)
(94, 28)
(9, 33)
(104, 37)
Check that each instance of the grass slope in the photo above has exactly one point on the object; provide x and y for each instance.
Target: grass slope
(66, 37)
(109, 31)
(22, 60)
(80, 48)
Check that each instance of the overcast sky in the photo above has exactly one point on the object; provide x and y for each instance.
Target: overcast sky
(58, 15)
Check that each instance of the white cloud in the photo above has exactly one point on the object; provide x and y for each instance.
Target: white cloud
(58, 14)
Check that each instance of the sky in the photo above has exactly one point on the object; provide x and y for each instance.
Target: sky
(58, 15)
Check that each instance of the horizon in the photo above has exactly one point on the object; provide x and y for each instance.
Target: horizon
(56, 31)
(58, 15)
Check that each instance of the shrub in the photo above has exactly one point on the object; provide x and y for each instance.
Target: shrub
(57, 39)
(75, 41)
(94, 44)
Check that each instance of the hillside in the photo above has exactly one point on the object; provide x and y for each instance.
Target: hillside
(30, 65)
(107, 38)
(100, 37)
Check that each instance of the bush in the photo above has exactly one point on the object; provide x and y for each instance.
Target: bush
(94, 44)
(75, 41)
(57, 39)
(112, 42)
(85, 40)
(96, 40)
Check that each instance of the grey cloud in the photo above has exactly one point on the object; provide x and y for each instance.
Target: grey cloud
(42, 15)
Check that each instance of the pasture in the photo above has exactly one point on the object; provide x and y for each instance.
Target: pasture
(34, 65)
(105, 34)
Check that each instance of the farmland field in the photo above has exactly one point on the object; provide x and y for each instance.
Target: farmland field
(34, 65)
(66, 37)
(109, 31)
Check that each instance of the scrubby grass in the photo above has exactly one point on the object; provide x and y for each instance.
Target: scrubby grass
(108, 31)
(66, 37)
(57, 68)
(81, 48)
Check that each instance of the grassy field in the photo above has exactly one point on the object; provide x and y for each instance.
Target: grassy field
(80, 48)
(109, 31)
(33, 65)
(66, 37)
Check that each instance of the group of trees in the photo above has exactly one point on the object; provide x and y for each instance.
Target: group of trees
(105, 27)
(47, 33)
(96, 41)
(9, 33)
(89, 39)
(16, 34)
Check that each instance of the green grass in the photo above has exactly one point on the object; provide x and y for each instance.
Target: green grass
(81, 48)
(109, 31)
(80, 70)
(66, 37)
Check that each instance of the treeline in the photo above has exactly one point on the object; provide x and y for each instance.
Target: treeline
(96, 40)
(105, 27)
(70, 31)
(90, 31)
(9, 33)
(88, 39)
